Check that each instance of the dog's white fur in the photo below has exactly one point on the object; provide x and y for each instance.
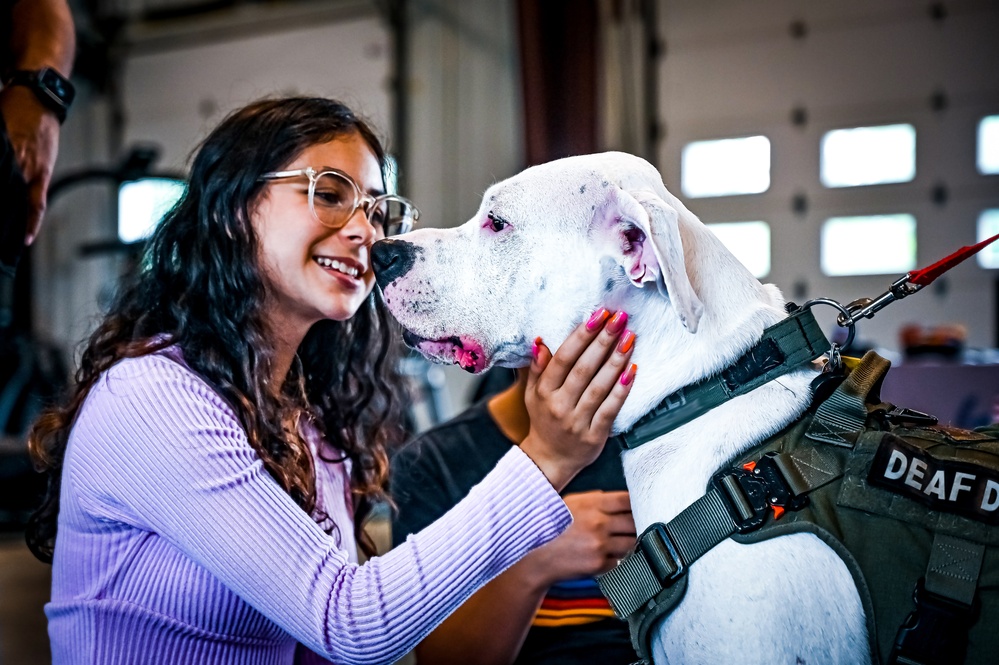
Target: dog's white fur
(603, 230)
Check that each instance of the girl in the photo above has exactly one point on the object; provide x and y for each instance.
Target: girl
(230, 419)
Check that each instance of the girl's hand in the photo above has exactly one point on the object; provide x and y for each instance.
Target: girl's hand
(573, 397)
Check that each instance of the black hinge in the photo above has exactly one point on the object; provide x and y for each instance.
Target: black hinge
(900, 415)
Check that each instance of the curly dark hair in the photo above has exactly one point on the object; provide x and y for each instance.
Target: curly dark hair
(200, 256)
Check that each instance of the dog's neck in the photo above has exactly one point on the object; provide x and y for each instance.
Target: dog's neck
(667, 474)
(670, 472)
(737, 309)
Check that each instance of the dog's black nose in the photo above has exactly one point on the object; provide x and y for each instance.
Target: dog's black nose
(391, 259)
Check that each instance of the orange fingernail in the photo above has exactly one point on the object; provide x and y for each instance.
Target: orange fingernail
(597, 319)
(627, 341)
(629, 374)
(617, 324)
(536, 347)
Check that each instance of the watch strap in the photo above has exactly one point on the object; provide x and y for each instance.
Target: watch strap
(52, 89)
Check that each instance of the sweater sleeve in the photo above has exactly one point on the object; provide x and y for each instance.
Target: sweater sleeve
(157, 448)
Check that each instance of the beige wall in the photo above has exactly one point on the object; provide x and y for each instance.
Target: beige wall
(732, 68)
(179, 80)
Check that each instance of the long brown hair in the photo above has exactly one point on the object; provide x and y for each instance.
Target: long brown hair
(199, 286)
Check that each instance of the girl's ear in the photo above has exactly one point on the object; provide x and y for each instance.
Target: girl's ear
(644, 234)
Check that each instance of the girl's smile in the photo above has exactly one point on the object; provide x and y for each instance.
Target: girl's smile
(342, 266)
(315, 272)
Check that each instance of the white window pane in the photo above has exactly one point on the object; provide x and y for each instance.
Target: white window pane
(749, 241)
(726, 167)
(988, 226)
(142, 204)
(871, 245)
(868, 156)
(988, 145)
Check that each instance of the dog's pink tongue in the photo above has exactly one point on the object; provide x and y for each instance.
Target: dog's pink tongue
(462, 352)
(465, 359)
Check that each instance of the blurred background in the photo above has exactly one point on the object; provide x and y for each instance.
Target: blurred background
(832, 147)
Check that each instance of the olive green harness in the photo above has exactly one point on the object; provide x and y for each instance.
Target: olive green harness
(910, 507)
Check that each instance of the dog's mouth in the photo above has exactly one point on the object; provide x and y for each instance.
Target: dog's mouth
(462, 351)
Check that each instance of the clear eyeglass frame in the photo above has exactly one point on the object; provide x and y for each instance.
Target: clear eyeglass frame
(391, 224)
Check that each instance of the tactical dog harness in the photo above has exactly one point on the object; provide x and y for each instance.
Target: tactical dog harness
(908, 506)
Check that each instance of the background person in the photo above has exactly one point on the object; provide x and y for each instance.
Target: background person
(39, 44)
(547, 607)
(227, 430)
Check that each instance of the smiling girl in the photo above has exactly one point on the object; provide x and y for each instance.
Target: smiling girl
(227, 430)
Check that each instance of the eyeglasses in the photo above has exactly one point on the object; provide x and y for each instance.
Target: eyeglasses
(334, 197)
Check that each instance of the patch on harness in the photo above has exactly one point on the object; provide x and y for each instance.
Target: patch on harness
(962, 488)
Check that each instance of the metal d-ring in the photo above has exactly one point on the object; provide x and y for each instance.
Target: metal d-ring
(843, 321)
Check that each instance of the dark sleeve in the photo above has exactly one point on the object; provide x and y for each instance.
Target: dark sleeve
(419, 488)
(439, 468)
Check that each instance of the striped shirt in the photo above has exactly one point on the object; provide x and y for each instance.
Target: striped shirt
(572, 603)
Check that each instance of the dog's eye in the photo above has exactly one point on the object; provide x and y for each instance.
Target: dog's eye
(497, 224)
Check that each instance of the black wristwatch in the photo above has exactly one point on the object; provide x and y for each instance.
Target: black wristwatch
(52, 88)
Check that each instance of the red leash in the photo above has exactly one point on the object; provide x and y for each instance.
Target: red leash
(930, 273)
(909, 283)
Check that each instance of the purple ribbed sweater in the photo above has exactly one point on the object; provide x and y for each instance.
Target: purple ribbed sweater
(175, 544)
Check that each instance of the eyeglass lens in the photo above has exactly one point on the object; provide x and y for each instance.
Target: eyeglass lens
(334, 202)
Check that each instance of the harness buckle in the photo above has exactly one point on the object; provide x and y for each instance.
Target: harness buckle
(745, 495)
(662, 554)
(781, 494)
(751, 489)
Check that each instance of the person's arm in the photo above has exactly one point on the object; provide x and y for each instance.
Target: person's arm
(164, 453)
(156, 448)
(43, 36)
(490, 627)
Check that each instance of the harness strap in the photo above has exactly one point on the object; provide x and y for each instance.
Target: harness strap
(644, 585)
(936, 632)
(783, 347)
(808, 469)
(663, 553)
(650, 581)
(954, 567)
(844, 413)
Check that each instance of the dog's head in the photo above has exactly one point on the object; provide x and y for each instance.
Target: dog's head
(546, 248)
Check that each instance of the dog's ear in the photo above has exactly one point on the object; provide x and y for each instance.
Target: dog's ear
(645, 234)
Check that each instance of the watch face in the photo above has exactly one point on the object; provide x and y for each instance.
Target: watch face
(57, 86)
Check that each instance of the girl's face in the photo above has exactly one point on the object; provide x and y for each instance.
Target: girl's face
(314, 272)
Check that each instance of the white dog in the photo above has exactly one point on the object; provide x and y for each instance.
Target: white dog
(546, 248)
